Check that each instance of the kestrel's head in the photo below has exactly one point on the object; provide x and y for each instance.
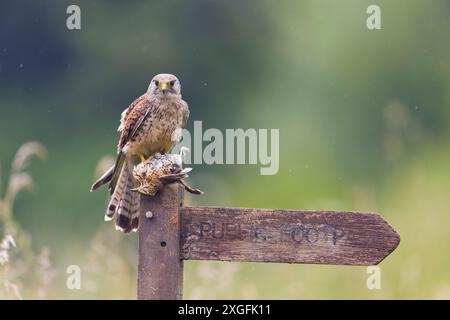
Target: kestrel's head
(165, 85)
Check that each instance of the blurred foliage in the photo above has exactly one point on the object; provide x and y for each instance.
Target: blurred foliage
(363, 116)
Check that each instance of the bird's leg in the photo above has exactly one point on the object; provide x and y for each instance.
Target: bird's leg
(142, 158)
(189, 188)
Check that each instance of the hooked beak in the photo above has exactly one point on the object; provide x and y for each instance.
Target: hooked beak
(163, 86)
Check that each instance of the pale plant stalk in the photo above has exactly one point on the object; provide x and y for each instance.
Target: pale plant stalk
(29, 274)
(23, 258)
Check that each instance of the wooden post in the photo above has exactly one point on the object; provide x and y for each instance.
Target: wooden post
(160, 268)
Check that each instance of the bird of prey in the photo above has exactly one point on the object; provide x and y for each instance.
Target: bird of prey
(147, 127)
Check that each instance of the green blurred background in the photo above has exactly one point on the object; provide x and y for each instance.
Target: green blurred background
(363, 116)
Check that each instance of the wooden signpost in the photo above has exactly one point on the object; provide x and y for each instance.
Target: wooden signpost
(176, 233)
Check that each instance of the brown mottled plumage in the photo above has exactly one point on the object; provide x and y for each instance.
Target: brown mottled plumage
(146, 128)
(152, 174)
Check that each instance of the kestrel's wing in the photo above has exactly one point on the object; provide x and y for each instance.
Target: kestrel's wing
(132, 119)
(130, 122)
(113, 173)
(185, 114)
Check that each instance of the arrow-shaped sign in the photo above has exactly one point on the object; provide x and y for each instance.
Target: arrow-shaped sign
(266, 235)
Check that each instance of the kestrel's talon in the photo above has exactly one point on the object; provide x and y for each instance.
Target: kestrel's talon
(142, 158)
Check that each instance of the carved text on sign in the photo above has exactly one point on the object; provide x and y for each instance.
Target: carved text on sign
(296, 233)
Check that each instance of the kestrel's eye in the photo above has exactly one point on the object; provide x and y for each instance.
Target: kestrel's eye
(156, 82)
(172, 83)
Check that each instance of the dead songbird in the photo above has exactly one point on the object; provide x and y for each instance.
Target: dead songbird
(153, 173)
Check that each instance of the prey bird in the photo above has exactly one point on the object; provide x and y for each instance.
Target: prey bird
(152, 174)
(150, 125)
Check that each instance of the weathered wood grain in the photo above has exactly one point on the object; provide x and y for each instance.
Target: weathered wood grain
(265, 235)
(160, 269)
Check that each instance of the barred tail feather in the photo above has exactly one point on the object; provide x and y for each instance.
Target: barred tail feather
(117, 195)
(124, 203)
(123, 221)
(113, 180)
(127, 218)
(135, 205)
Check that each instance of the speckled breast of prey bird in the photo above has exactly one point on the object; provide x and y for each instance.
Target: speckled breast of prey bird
(147, 127)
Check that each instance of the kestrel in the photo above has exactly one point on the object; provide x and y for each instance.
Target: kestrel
(147, 127)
